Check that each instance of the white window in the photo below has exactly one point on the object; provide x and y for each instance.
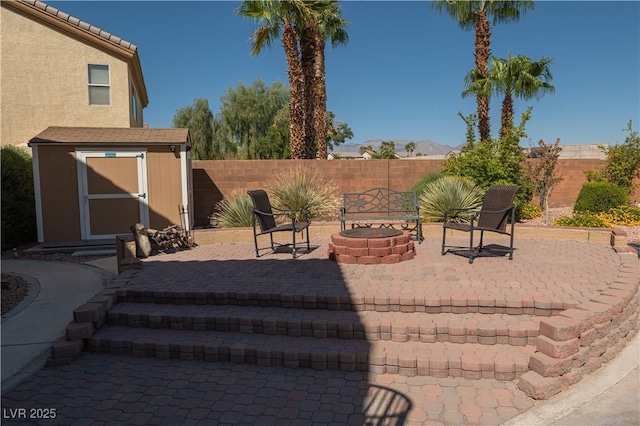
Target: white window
(99, 84)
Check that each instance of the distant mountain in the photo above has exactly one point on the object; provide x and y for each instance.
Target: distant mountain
(423, 146)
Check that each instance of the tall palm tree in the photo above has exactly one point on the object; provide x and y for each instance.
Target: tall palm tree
(475, 14)
(307, 35)
(332, 26)
(281, 19)
(519, 77)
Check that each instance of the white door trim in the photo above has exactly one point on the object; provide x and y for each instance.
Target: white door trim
(83, 188)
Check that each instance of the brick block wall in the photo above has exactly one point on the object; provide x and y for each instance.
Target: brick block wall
(579, 341)
(215, 179)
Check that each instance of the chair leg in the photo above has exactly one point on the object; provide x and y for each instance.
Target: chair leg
(511, 236)
(255, 238)
(308, 246)
(481, 238)
(471, 250)
(444, 237)
(293, 249)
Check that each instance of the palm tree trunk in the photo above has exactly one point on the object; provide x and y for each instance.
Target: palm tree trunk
(296, 87)
(308, 61)
(320, 99)
(482, 53)
(507, 115)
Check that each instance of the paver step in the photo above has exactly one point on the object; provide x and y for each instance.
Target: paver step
(486, 329)
(336, 300)
(439, 359)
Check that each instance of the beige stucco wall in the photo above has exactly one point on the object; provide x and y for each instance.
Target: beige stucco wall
(44, 81)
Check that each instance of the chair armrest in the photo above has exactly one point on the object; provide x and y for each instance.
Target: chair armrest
(291, 213)
(506, 209)
(471, 218)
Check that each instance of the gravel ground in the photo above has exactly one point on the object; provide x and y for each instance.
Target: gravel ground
(18, 288)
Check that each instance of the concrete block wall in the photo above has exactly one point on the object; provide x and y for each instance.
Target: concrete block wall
(215, 179)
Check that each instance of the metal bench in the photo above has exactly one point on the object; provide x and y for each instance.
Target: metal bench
(382, 208)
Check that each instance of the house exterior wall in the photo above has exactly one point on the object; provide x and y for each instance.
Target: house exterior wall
(44, 81)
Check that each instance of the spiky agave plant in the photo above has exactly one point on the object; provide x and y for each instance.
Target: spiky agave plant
(234, 211)
(307, 190)
(450, 192)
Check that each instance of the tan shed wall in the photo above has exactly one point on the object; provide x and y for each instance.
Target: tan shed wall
(165, 187)
(59, 193)
(44, 81)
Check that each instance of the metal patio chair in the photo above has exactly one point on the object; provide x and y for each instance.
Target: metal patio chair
(264, 217)
(497, 210)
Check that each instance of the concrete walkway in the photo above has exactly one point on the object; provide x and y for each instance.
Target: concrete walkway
(56, 289)
(108, 388)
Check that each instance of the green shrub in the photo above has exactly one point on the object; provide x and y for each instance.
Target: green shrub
(426, 179)
(597, 197)
(234, 211)
(450, 192)
(529, 211)
(583, 220)
(18, 200)
(303, 189)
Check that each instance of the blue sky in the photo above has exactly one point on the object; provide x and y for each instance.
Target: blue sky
(401, 74)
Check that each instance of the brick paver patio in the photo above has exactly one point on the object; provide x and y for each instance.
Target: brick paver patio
(215, 336)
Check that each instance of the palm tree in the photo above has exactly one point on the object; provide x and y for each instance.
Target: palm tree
(388, 146)
(410, 147)
(331, 27)
(521, 77)
(475, 14)
(280, 19)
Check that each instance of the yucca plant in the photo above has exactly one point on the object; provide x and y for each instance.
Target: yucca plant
(306, 190)
(450, 192)
(234, 211)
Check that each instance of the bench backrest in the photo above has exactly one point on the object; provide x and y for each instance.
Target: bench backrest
(379, 201)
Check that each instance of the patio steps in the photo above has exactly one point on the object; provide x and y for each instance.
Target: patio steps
(485, 329)
(471, 345)
(438, 359)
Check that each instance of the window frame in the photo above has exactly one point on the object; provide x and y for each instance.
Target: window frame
(90, 84)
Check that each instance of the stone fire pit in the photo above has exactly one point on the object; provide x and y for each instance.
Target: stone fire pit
(371, 246)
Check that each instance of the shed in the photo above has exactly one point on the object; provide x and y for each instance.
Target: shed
(94, 183)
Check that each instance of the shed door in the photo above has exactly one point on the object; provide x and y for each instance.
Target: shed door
(113, 192)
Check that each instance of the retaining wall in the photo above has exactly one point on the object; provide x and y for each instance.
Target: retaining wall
(578, 341)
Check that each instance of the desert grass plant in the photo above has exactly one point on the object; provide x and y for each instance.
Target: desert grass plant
(234, 211)
(450, 192)
(307, 190)
(425, 180)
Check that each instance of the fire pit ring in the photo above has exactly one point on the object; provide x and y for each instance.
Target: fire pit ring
(371, 246)
(370, 233)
